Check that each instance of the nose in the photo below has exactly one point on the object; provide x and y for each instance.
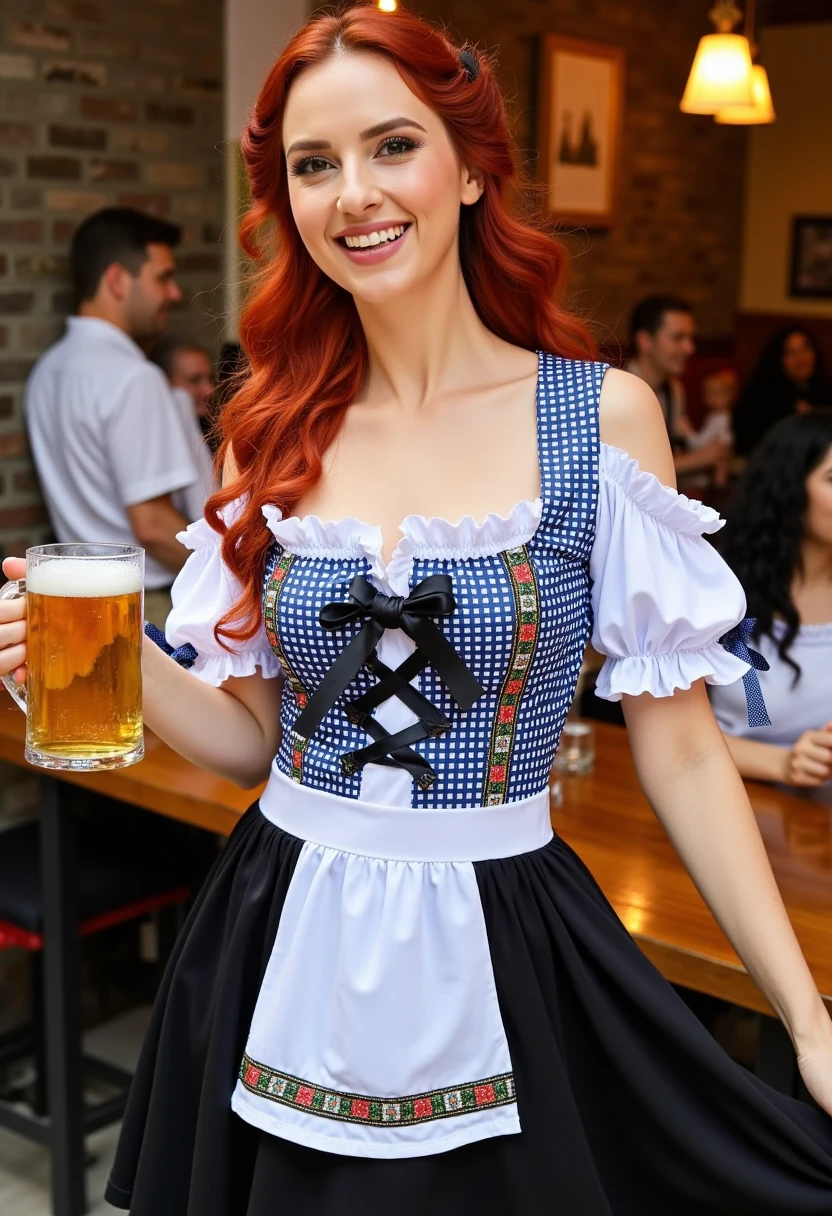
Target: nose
(358, 191)
(174, 292)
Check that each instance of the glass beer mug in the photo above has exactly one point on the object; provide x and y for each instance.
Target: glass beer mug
(83, 695)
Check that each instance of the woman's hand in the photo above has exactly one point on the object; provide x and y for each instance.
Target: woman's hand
(13, 625)
(809, 762)
(814, 1058)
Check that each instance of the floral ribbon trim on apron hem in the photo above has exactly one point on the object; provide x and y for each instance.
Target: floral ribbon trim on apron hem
(376, 1112)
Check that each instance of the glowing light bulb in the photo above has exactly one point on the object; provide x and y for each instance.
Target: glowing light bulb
(720, 76)
(388, 6)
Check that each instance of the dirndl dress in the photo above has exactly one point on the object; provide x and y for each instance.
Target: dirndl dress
(399, 991)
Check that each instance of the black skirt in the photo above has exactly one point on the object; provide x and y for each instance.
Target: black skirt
(628, 1107)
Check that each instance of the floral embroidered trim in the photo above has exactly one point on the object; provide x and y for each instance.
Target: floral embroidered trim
(376, 1112)
(527, 617)
(274, 587)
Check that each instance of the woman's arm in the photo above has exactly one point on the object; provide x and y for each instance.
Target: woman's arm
(689, 778)
(758, 761)
(691, 782)
(233, 730)
(807, 764)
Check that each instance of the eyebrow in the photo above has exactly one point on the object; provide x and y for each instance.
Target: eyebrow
(381, 128)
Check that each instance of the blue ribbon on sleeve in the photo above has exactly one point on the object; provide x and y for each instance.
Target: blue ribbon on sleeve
(185, 655)
(735, 641)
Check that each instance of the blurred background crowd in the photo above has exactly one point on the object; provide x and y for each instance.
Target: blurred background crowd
(701, 256)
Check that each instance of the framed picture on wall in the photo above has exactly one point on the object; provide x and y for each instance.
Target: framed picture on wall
(579, 124)
(812, 257)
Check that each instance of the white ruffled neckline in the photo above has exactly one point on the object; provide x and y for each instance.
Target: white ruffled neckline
(420, 537)
(467, 539)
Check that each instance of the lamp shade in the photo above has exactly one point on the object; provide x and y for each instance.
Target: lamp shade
(720, 76)
(762, 109)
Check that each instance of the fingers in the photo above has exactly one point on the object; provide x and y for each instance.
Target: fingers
(12, 633)
(817, 748)
(14, 567)
(811, 758)
(11, 659)
(15, 610)
(809, 772)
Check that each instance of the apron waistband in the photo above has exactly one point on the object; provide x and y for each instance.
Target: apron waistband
(395, 833)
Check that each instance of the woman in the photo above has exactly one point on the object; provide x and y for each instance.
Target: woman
(790, 377)
(779, 544)
(433, 1004)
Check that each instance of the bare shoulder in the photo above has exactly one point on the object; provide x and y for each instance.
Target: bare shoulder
(631, 419)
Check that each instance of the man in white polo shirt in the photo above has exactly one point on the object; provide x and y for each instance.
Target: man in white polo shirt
(105, 433)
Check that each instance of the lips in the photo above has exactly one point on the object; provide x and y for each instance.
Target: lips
(371, 236)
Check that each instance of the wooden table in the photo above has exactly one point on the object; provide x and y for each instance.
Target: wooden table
(606, 819)
(162, 782)
(604, 816)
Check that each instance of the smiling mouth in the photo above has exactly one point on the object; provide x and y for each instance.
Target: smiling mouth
(372, 240)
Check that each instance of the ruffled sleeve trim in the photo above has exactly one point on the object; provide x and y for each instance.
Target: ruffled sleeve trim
(662, 674)
(683, 515)
(662, 596)
(215, 669)
(204, 590)
(199, 535)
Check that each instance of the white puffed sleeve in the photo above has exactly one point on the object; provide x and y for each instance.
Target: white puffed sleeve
(662, 597)
(203, 592)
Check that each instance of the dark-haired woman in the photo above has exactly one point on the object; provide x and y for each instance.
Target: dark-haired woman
(790, 378)
(779, 543)
(399, 992)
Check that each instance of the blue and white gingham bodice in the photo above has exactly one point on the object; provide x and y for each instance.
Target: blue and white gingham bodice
(521, 622)
(605, 549)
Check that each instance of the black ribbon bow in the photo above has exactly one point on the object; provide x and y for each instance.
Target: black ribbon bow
(735, 641)
(433, 597)
(185, 655)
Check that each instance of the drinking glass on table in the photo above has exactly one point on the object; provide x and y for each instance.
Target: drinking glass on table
(576, 750)
(83, 695)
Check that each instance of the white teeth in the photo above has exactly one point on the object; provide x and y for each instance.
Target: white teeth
(374, 238)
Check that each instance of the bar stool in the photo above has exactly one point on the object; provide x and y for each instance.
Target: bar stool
(113, 888)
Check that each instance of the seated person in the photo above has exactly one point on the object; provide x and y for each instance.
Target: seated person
(790, 378)
(779, 542)
(719, 394)
(663, 334)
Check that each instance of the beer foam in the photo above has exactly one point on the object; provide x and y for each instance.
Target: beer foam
(84, 578)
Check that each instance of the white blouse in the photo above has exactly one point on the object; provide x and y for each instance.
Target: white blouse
(661, 594)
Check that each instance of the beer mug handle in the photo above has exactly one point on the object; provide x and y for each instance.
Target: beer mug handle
(13, 590)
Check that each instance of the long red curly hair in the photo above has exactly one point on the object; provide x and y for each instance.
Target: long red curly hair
(301, 332)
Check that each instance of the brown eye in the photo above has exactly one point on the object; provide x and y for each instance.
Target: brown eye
(397, 145)
(309, 165)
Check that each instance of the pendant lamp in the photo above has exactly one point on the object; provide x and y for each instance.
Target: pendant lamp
(760, 111)
(721, 72)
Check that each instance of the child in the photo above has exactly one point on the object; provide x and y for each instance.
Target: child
(719, 395)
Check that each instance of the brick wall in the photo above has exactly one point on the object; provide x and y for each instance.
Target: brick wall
(682, 176)
(102, 102)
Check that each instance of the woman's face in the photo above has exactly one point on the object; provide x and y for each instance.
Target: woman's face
(818, 517)
(374, 181)
(798, 358)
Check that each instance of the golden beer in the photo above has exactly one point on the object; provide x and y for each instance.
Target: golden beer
(84, 686)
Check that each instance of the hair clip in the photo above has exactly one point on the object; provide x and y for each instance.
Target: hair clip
(470, 62)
